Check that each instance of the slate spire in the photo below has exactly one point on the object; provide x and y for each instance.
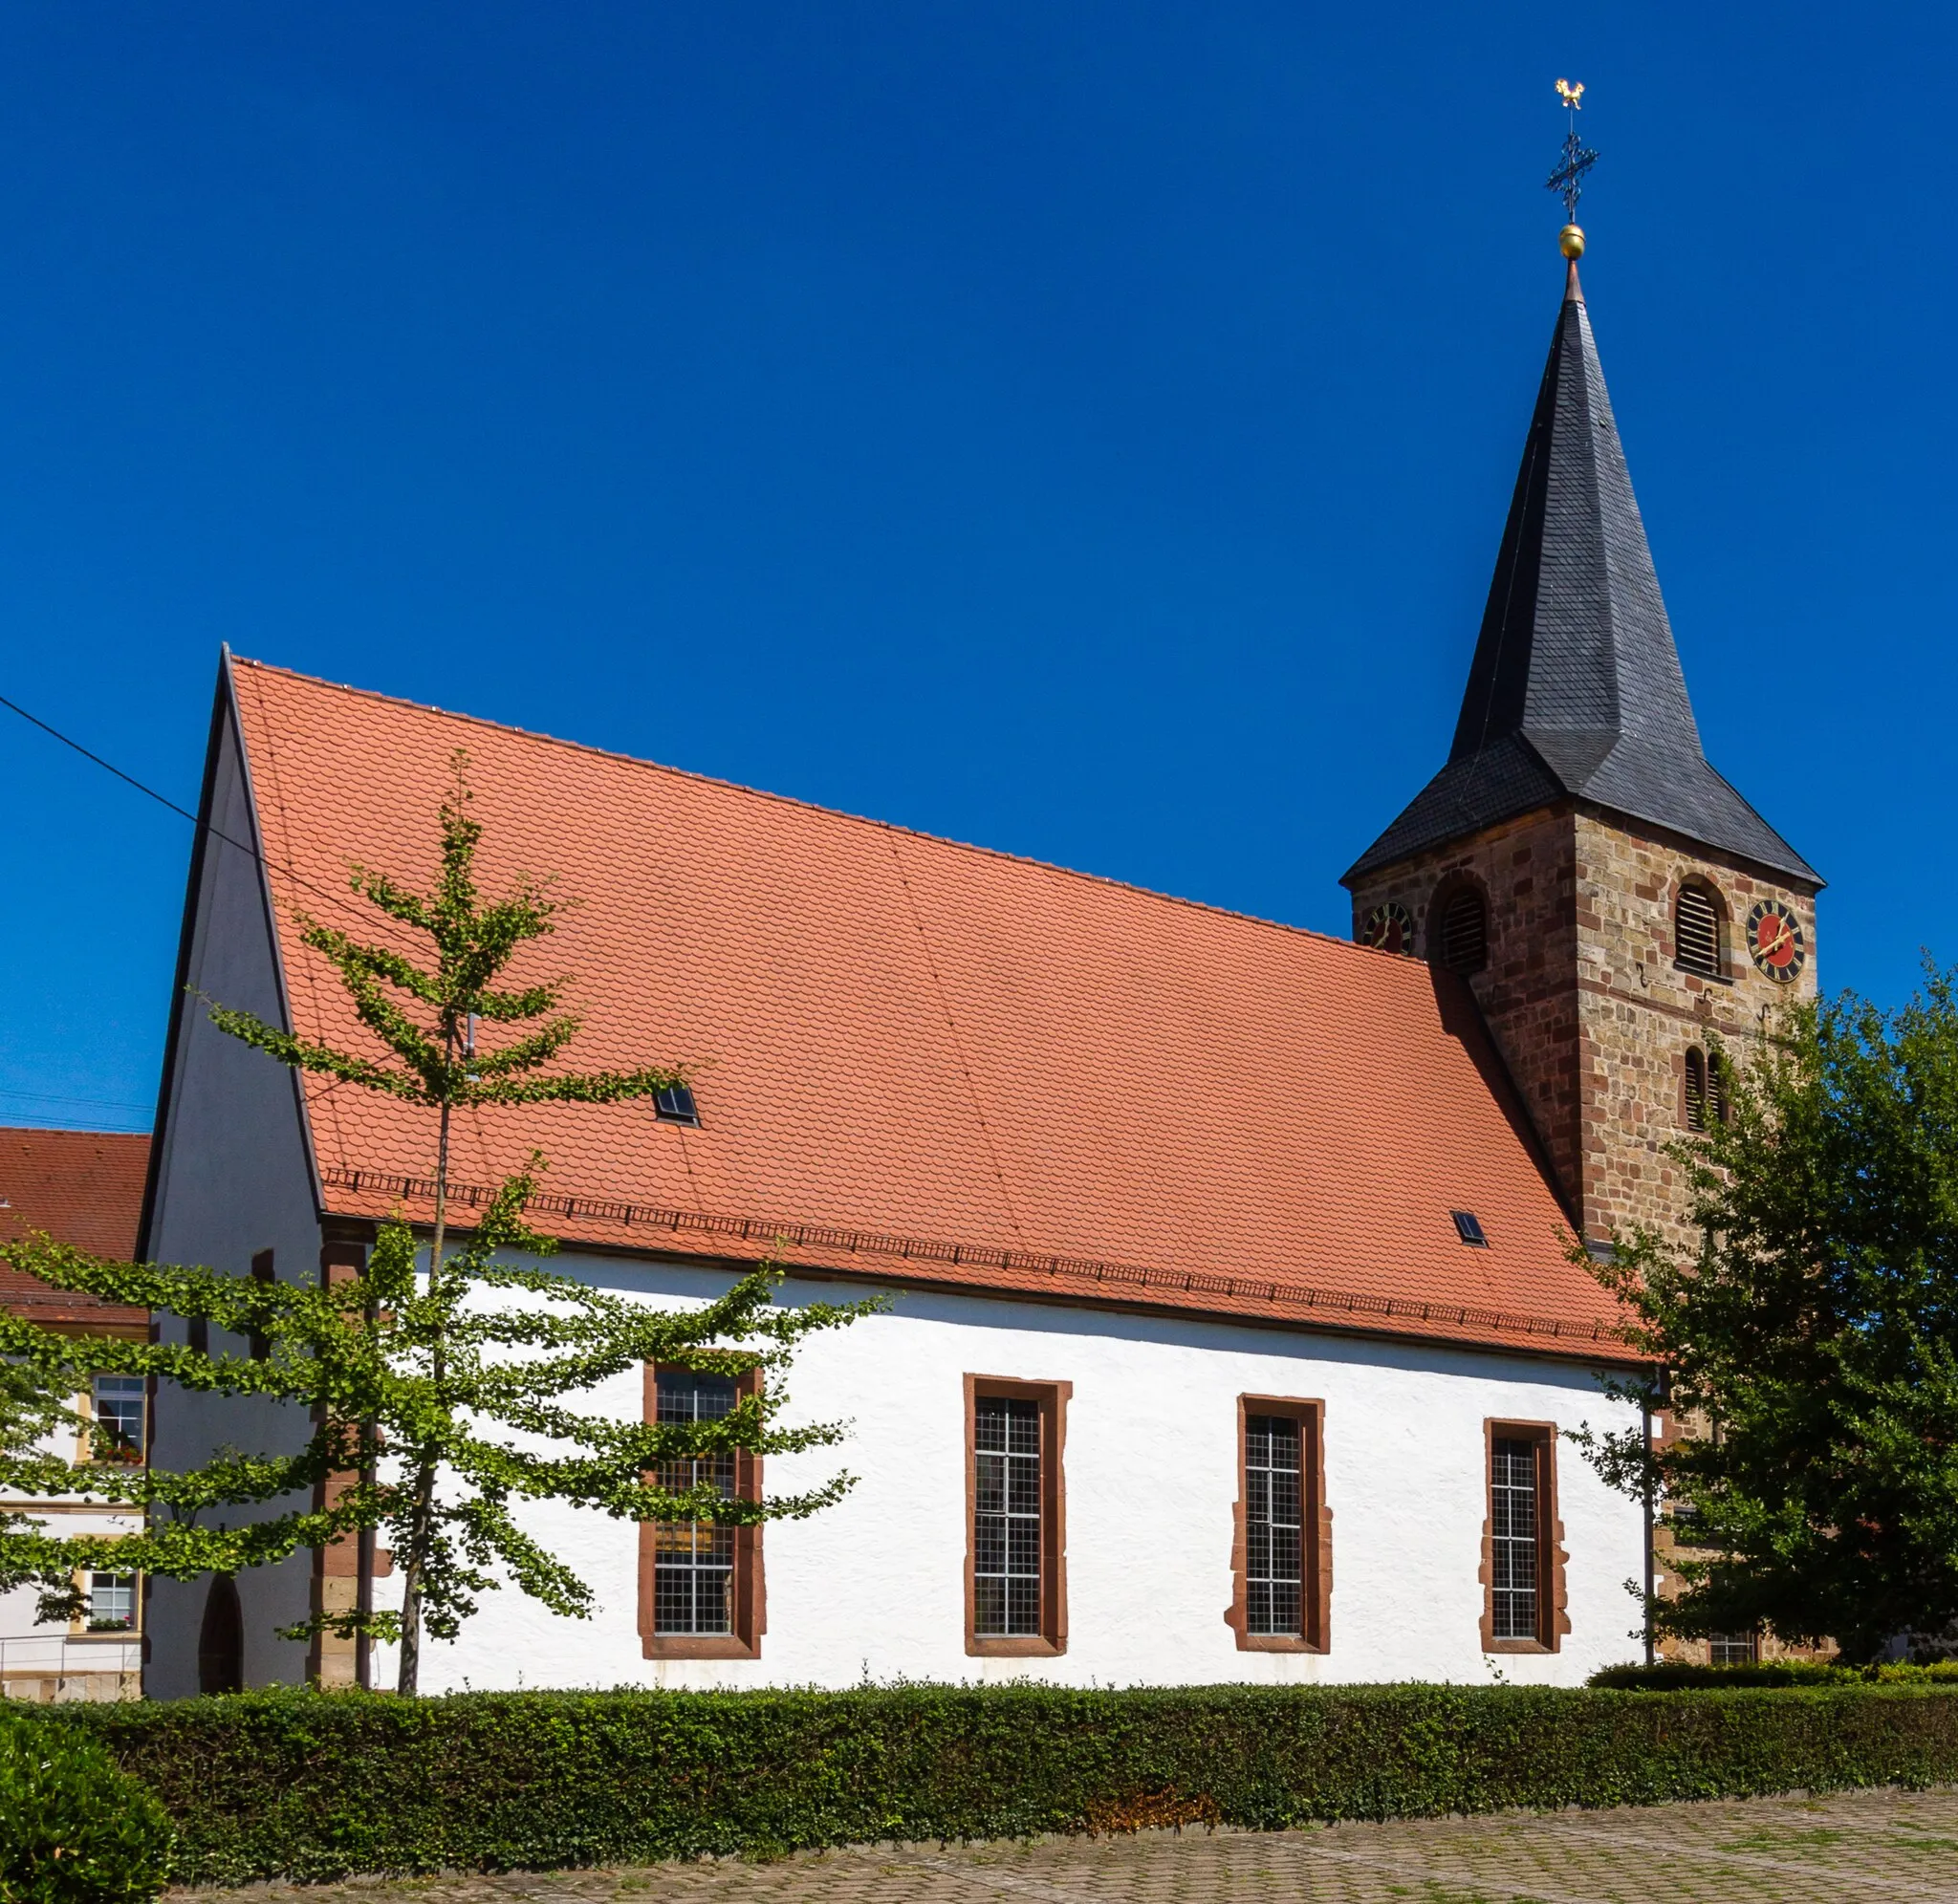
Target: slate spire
(1576, 690)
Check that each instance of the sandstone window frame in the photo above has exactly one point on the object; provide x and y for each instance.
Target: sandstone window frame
(130, 1449)
(89, 1582)
(1315, 1595)
(1552, 1600)
(1703, 1089)
(748, 1587)
(1052, 1398)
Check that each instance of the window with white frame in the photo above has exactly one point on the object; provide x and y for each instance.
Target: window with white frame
(119, 1409)
(111, 1603)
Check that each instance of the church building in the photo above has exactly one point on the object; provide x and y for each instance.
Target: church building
(1208, 1352)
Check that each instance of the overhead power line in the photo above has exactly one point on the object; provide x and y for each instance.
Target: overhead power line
(164, 800)
(101, 1103)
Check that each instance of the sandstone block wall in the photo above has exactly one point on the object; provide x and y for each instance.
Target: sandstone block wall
(1586, 998)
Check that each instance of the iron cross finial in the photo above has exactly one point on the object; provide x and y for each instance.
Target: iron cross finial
(1577, 158)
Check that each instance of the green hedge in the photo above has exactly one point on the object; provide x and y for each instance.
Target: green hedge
(305, 1785)
(1676, 1675)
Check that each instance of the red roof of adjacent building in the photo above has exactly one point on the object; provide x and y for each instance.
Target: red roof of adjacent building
(924, 1061)
(83, 1188)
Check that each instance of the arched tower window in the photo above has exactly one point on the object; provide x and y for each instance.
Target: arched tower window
(1461, 934)
(1697, 1083)
(1696, 931)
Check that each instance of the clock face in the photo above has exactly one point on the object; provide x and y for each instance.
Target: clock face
(1389, 927)
(1774, 941)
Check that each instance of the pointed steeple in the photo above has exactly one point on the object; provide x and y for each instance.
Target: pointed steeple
(1575, 691)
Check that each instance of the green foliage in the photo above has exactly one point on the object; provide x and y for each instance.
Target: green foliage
(1674, 1674)
(1813, 1341)
(34, 1409)
(74, 1829)
(436, 1384)
(310, 1785)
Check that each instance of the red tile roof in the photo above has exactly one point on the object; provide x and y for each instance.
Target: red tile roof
(925, 1060)
(83, 1188)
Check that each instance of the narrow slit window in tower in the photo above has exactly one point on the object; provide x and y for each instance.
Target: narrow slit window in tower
(1696, 1088)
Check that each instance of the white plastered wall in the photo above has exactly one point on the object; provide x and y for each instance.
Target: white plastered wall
(233, 1178)
(876, 1586)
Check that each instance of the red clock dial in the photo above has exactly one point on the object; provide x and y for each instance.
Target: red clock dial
(1775, 943)
(1390, 927)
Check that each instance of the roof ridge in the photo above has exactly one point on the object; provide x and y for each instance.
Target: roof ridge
(828, 812)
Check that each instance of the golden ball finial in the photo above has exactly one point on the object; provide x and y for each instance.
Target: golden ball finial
(1570, 241)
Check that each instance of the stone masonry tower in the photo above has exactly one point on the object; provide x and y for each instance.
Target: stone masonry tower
(1610, 900)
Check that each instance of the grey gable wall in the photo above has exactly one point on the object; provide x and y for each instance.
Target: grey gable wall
(233, 1176)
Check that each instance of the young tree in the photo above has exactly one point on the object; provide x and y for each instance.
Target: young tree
(437, 1394)
(1811, 1341)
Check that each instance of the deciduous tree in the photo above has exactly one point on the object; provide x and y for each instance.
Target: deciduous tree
(438, 1384)
(1811, 1341)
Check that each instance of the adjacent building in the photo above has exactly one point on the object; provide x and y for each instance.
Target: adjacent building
(83, 1188)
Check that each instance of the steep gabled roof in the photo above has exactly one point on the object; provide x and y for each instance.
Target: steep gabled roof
(83, 1188)
(925, 1061)
(1576, 690)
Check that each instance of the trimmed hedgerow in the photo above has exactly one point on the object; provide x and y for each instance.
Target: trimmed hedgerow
(308, 1785)
(1671, 1675)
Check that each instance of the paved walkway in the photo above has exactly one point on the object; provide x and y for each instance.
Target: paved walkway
(1859, 1848)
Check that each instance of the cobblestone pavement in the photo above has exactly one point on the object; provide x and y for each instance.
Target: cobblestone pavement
(1856, 1848)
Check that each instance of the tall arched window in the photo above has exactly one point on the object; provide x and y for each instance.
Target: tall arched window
(1463, 932)
(1696, 1088)
(1696, 931)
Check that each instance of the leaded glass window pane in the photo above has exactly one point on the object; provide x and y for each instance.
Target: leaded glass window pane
(1006, 1518)
(1274, 1526)
(693, 1561)
(1513, 1512)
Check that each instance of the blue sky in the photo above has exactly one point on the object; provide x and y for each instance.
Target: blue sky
(1083, 430)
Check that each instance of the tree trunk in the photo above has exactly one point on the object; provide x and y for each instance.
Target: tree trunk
(422, 1524)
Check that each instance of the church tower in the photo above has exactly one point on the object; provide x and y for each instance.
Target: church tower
(1610, 900)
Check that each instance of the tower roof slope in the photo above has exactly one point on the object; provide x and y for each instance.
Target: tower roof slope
(1576, 690)
(922, 1060)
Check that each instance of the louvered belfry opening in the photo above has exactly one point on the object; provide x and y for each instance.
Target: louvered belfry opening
(1465, 932)
(1696, 1088)
(1696, 932)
